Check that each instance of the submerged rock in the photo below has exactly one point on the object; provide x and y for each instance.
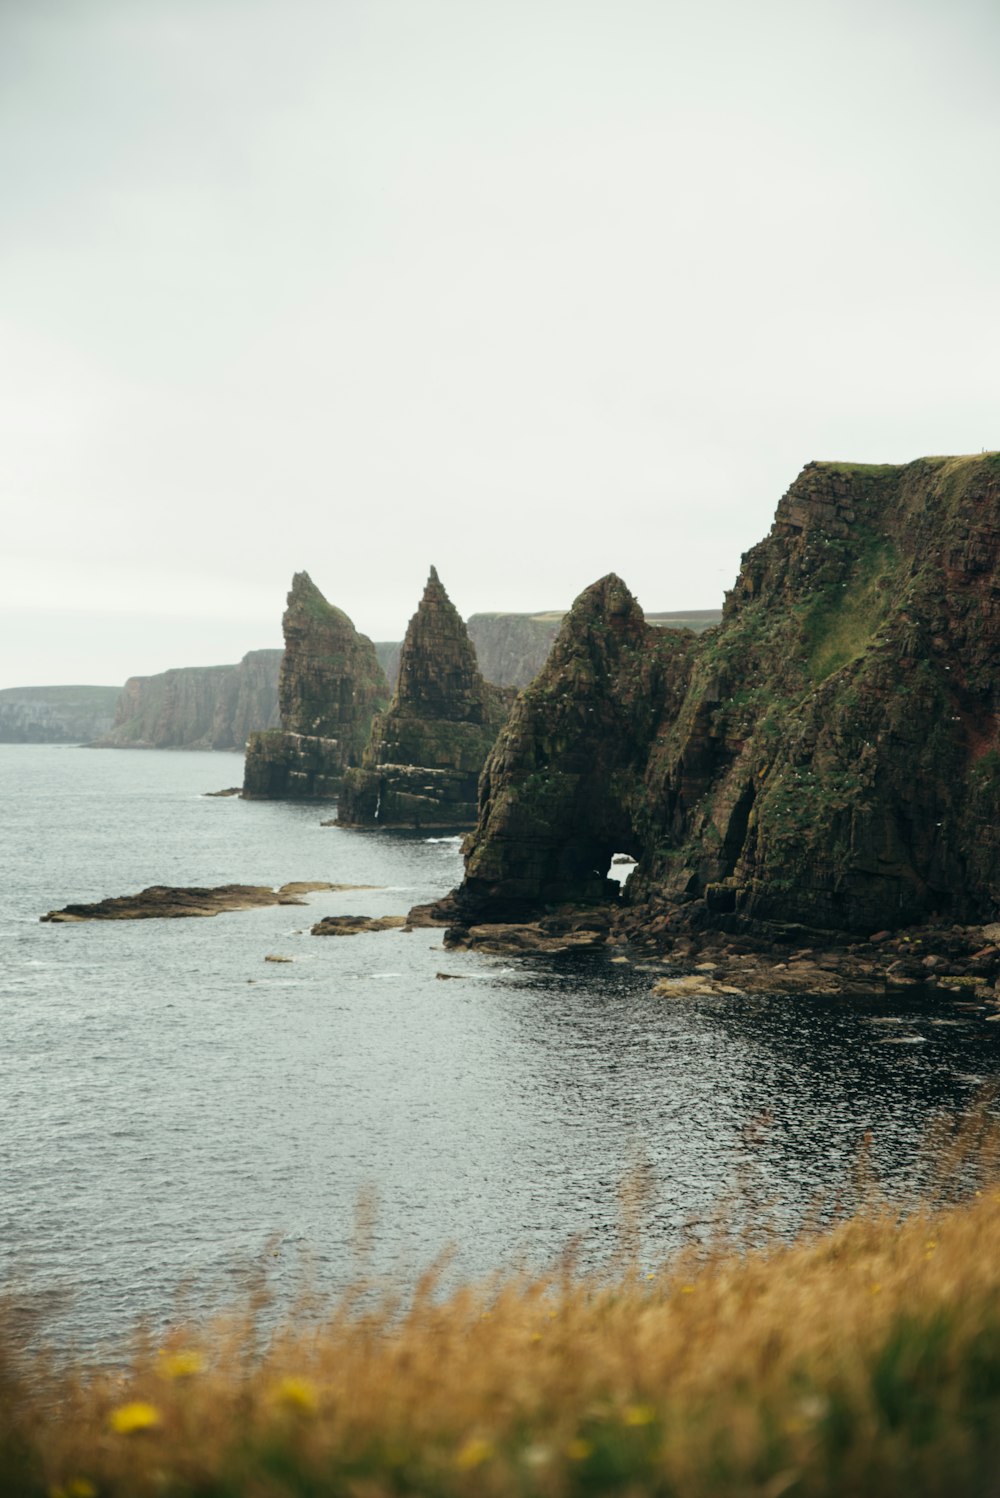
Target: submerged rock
(827, 758)
(161, 901)
(353, 925)
(330, 688)
(422, 766)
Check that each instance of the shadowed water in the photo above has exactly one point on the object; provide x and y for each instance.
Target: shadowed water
(174, 1109)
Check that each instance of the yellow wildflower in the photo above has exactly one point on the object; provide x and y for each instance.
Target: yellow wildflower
(578, 1449)
(473, 1454)
(638, 1414)
(297, 1393)
(127, 1419)
(183, 1364)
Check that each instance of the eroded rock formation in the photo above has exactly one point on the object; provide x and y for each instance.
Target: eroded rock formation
(331, 685)
(198, 707)
(421, 768)
(829, 756)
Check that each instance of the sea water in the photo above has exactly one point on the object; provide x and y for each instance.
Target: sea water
(177, 1113)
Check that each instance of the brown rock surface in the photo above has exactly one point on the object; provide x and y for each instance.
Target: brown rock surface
(170, 902)
(353, 925)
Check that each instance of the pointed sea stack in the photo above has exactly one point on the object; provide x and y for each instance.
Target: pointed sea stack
(558, 792)
(330, 688)
(421, 768)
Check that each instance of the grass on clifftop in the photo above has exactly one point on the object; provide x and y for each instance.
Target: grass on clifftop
(863, 1361)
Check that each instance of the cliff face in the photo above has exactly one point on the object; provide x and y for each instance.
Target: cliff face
(331, 685)
(56, 715)
(198, 707)
(422, 765)
(829, 755)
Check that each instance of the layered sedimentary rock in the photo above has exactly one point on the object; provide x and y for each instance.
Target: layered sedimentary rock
(198, 707)
(421, 768)
(829, 756)
(56, 715)
(331, 685)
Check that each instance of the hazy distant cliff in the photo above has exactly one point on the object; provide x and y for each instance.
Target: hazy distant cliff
(829, 755)
(56, 715)
(198, 707)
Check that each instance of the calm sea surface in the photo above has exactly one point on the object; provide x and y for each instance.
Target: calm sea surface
(174, 1110)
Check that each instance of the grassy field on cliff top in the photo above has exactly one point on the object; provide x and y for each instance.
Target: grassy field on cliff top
(863, 1360)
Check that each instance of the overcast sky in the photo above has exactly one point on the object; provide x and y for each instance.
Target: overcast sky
(533, 291)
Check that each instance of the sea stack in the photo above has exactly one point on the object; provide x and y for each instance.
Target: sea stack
(422, 765)
(330, 687)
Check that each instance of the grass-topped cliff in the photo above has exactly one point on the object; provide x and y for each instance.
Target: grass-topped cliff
(829, 754)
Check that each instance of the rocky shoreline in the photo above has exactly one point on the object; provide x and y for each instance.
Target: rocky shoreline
(963, 960)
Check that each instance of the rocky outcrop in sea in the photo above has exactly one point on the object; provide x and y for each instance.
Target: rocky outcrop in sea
(826, 759)
(421, 767)
(331, 685)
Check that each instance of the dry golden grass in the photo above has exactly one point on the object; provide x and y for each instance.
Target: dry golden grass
(865, 1360)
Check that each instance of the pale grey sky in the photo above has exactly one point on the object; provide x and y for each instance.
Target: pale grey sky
(532, 291)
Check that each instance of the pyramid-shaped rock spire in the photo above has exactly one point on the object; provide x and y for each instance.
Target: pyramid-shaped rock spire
(422, 765)
(330, 688)
(439, 675)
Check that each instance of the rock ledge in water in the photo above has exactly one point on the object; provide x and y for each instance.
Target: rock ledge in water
(351, 925)
(167, 901)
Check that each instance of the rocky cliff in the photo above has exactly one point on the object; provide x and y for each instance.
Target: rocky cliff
(422, 765)
(828, 756)
(197, 707)
(56, 715)
(331, 685)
